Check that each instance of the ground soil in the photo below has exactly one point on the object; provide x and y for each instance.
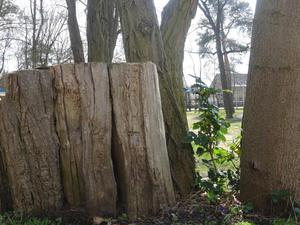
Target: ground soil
(193, 210)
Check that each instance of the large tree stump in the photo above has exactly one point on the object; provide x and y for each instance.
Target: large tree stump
(139, 147)
(56, 141)
(29, 166)
(83, 124)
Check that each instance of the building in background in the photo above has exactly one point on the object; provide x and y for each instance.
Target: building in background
(239, 85)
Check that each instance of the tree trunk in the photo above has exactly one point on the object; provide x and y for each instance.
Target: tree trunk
(56, 141)
(143, 42)
(176, 21)
(5, 195)
(227, 95)
(57, 136)
(37, 25)
(29, 145)
(271, 145)
(217, 27)
(33, 10)
(227, 68)
(83, 125)
(74, 32)
(140, 151)
(102, 30)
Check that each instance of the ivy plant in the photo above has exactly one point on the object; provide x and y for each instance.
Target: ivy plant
(207, 135)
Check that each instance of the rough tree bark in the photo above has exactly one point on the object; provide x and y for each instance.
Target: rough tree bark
(143, 42)
(271, 145)
(83, 125)
(5, 195)
(29, 145)
(140, 151)
(56, 135)
(175, 23)
(74, 32)
(102, 30)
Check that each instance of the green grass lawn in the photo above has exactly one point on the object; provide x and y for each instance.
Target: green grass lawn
(235, 123)
(233, 132)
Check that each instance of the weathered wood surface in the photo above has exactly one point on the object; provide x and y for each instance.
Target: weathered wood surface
(139, 146)
(29, 145)
(83, 124)
(62, 144)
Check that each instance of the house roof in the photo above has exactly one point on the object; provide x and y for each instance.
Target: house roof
(238, 80)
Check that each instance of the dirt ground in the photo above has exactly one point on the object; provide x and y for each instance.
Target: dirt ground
(192, 210)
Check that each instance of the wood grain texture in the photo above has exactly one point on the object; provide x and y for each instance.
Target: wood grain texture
(139, 146)
(83, 115)
(56, 144)
(29, 145)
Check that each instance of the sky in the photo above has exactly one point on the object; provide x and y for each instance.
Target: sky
(192, 63)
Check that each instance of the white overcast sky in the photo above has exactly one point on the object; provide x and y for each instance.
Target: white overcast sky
(191, 62)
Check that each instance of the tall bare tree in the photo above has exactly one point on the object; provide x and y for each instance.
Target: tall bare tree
(74, 32)
(41, 53)
(7, 12)
(220, 18)
(61, 51)
(145, 41)
(53, 28)
(37, 19)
